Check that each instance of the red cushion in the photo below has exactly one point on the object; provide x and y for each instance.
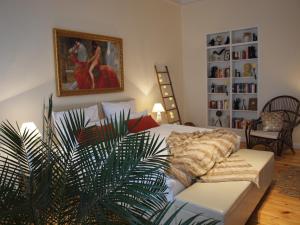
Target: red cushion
(89, 134)
(138, 125)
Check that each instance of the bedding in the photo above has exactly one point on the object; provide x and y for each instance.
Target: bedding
(164, 131)
(234, 168)
(194, 154)
(114, 108)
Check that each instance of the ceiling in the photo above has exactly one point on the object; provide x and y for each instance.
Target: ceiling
(184, 1)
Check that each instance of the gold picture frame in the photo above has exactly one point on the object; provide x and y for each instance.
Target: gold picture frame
(87, 63)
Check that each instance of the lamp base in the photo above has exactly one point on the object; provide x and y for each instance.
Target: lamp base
(158, 117)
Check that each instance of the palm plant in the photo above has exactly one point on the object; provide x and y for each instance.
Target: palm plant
(79, 175)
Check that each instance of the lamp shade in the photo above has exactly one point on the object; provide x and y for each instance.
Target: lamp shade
(29, 126)
(157, 108)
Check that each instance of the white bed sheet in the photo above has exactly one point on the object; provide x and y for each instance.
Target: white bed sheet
(164, 130)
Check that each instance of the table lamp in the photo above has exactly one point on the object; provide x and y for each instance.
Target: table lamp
(158, 109)
(29, 127)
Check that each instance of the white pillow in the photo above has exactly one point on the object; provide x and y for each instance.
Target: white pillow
(91, 113)
(97, 123)
(138, 114)
(114, 108)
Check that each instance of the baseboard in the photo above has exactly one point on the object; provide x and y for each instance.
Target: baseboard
(297, 146)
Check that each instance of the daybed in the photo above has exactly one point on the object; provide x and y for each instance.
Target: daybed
(229, 202)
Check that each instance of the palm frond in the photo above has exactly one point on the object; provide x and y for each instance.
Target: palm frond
(83, 175)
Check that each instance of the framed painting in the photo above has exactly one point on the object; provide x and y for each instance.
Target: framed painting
(87, 63)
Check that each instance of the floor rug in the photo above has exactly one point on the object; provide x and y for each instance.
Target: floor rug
(287, 180)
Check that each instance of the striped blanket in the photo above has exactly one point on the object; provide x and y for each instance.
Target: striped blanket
(233, 168)
(206, 156)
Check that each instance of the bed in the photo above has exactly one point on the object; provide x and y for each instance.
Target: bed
(229, 202)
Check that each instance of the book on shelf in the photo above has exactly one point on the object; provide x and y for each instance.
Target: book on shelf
(248, 53)
(244, 88)
(239, 123)
(214, 88)
(216, 72)
(219, 104)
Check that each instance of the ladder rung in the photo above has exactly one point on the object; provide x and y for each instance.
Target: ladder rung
(164, 84)
(170, 109)
(162, 72)
(171, 96)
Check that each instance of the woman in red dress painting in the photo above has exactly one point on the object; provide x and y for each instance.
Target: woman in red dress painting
(91, 74)
(102, 76)
(78, 55)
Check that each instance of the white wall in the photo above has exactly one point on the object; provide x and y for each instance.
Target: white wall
(279, 27)
(151, 34)
(153, 31)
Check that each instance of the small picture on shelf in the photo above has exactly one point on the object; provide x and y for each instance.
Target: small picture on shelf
(252, 104)
(213, 104)
(247, 70)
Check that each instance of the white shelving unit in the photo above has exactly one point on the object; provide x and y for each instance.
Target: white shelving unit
(232, 74)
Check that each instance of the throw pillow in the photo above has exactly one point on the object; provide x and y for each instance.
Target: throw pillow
(272, 121)
(141, 124)
(94, 133)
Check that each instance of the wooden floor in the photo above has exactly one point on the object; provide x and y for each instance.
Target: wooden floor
(277, 208)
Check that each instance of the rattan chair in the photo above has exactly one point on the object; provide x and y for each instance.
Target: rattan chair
(276, 141)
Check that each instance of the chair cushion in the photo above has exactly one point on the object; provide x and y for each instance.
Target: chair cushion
(264, 134)
(272, 121)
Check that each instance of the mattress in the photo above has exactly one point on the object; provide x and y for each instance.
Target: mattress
(230, 202)
(174, 186)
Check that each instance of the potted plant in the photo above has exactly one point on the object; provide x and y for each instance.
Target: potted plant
(78, 175)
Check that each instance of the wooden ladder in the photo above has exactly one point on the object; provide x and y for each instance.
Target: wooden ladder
(167, 94)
